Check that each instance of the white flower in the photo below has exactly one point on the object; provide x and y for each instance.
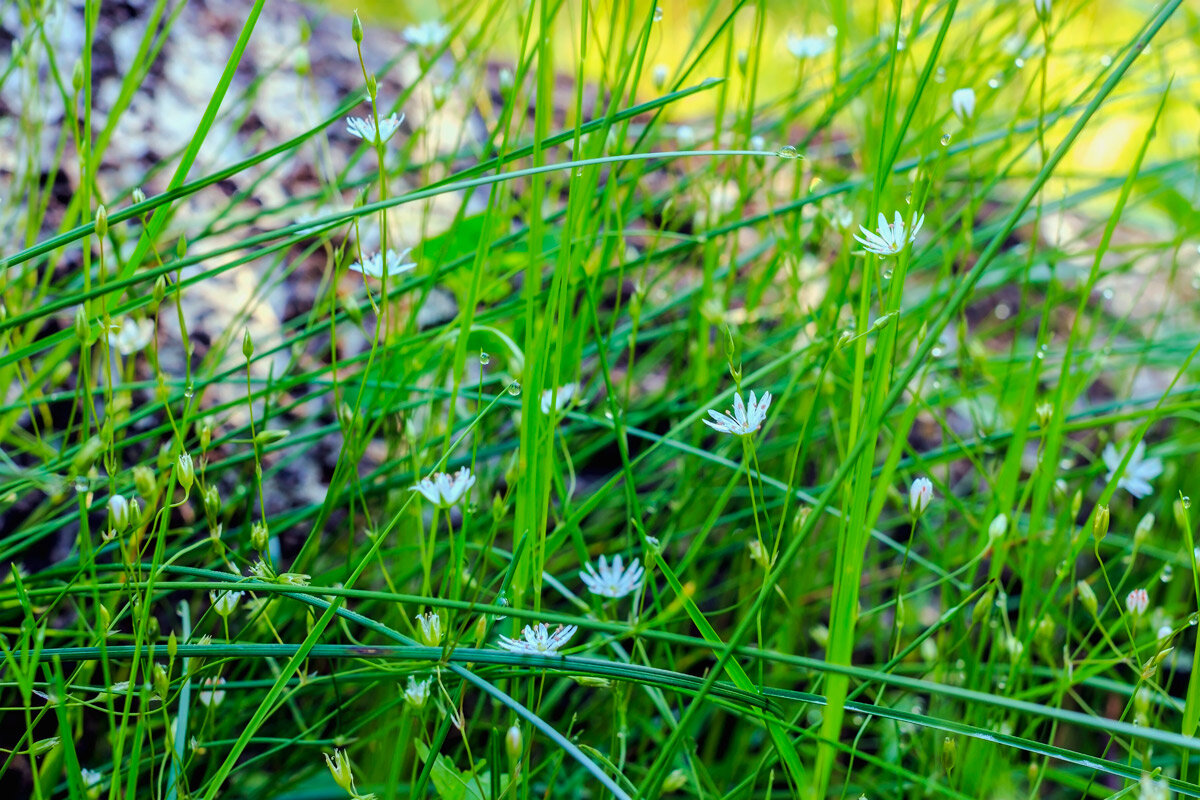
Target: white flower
(417, 692)
(1152, 789)
(1138, 472)
(1137, 602)
(131, 335)
(213, 695)
(443, 489)
(537, 640)
(891, 239)
(427, 34)
(919, 495)
(613, 580)
(963, 103)
(364, 127)
(803, 47)
(686, 136)
(561, 399)
(374, 266)
(744, 420)
(430, 628)
(225, 603)
(90, 777)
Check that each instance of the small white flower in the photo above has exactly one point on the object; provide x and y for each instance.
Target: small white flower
(417, 692)
(443, 489)
(90, 777)
(538, 640)
(1164, 632)
(803, 47)
(613, 580)
(685, 135)
(428, 34)
(225, 603)
(919, 495)
(364, 127)
(430, 628)
(891, 239)
(373, 266)
(963, 103)
(293, 578)
(1150, 788)
(745, 420)
(213, 695)
(1138, 472)
(131, 335)
(561, 399)
(1137, 602)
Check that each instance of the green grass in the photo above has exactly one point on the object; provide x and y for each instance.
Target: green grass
(800, 630)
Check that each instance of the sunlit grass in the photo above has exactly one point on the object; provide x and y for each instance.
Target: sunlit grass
(291, 518)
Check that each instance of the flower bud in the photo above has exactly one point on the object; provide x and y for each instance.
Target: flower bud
(949, 752)
(1045, 630)
(1144, 526)
(83, 328)
(138, 195)
(272, 436)
(513, 744)
(205, 436)
(998, 527)
(87, 455)
(658, 76)
(1087, 598)
(185, 473)
(101, 222)
(259, 537)
(247, 344)
(76, 76)
(676, 779)
(429, 630)
(919, 495)
(160, 290)
(356, 29)
(212, 501)
(1045, 413)
(162, 682)
(118, 512)
(983, 608)
(1100, 524)
(339, 763)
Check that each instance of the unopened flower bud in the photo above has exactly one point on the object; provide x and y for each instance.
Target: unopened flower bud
(919, 495)
(83, 328)
(1100, 524)
(138, 195)
(205, 436)
(356, 29)
(259, 537)
(101, 222)
(160, 290)
(513, 744)
(185, 473)
(76, 76)
(1076, 503)
(949, 753)
(1045, 630)
(998, 527)
(1144, 526)
(658, 76)
(247, 344)
(676, 779)
(984, 607)
(212, 501)
(118, 512)
(272, 436)
(1087, 598)
(162, 682)
(1045, 412)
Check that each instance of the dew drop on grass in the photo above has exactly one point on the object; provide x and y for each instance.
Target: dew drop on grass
(940, 75)
(1167, 573)
(514, 388)
(1187, 501)
(787, 151)
(484, 358)
(1107, 294)
(1193, 619)
(908, 199)
(188, 391)
(81, 484)
(579, 172)
(887, 274)
(658, 14)
(994, 82)
(936, 352)
(1019, 63)
(945, 139)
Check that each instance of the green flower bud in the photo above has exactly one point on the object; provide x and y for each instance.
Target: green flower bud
(513, 745)
(1087, 597)
(1100, 524)
(185, 473)
(676, 779)
(429, 630)
(83, 328)
(212, 501)
(983, 608)
(247, 344)
(101, 222)
(77, 77)
(272, 436)
(259, 537)
(949, 753)
(160, 290)
(138, 195)
(118, 512)
(356, 29)
(205, 436)
(87, 455)
(998, 527)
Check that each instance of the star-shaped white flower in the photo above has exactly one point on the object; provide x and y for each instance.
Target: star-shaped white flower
(561, 399)
(803, 47)
(537, 640)
(394, 263)
(364, 127)
(613, 580)
(443, 489)
(131, 335)
(890, 239)
(427, 34)
(417, 692)
(745, 420)
(1138, 472)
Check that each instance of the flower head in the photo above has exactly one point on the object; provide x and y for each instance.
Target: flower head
(430, 628)
(1138, 472)
(538, 640)
(919, 495)
(118, 512)
(1137, 602)
(561, 398)
(393, 263)
(443, 489)
(225, 603)
(427, 34)
(212, 694)
(131, 335)
(891, 239)
(364, 128)
(417, 692)
(613, 580)
(803, 47)
(963, 103)
(744, 420)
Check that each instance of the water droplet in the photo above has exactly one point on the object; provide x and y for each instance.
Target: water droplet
(658, 14)
(901, 44)
(945, 139)
(188, 391)
(940, 75)
(994, 82)
(579, 172)
(1193, 619)
(831, 31)
(1106, 60)
(514, 388)
(908, 199)
(1187, 501)
(787, 151)
(1167, 573)
(484, 358)
(1019, 62)
(1039, 355)
(887, 274)
(936, 352)
(81, 484)
(1107, 294)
